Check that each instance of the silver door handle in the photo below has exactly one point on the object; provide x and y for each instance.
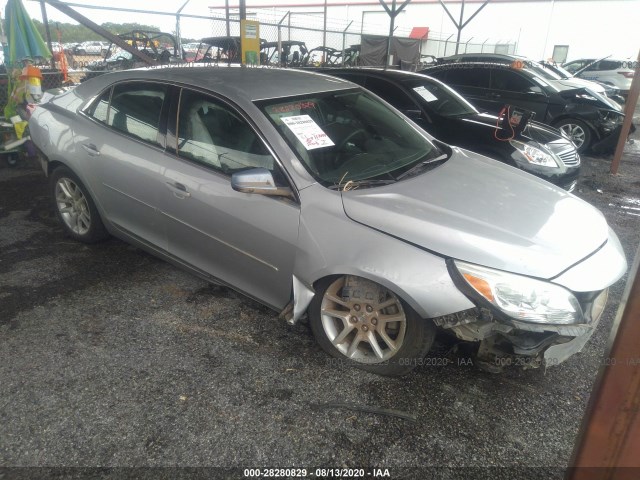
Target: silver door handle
(179, 190)
(91, 149)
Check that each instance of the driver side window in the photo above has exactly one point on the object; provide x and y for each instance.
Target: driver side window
(213, 134)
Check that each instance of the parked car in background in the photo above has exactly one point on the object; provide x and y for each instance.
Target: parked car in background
(219, 49)
(310, 194)
(292, 54)
(588, 118)
(90, 48)
(615, 72)
(540, 69)
(159, 46)
(609, 90)
(540, 150)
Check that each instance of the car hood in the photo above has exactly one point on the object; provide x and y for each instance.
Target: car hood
(581, 83)
(478, 210)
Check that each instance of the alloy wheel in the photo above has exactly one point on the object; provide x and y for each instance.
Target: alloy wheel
(72, 205)
(575, 132)
(368, 328)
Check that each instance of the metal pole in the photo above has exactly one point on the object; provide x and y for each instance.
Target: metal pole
(324, 28)
(178, 32)
(460, 26)
(482, 48)
(226, 10)
(280, 38)
(392, 22)
(344, 39)
(630, 105)
(243, 9)
(47, 32)
(609, 439)
(446, 42)
(467, 44)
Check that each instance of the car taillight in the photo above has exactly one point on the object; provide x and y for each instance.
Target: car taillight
(626, 74)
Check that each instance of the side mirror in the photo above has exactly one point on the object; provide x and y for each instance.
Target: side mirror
(260, 181)
(535, 90)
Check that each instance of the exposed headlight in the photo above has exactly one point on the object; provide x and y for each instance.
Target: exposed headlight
(522, 298)
(534, 154)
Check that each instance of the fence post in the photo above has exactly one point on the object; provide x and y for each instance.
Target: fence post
(467, 44)
(446, 42)
(178, 32)
(47, 32)
(280, 37)
(482, 48)
(344, 40)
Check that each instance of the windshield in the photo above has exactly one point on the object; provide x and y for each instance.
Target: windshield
(439, 98)
(349, 136)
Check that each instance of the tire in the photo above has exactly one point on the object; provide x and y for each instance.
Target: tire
(578, 131)
(75, 208)
(12, 159)
(345, 319)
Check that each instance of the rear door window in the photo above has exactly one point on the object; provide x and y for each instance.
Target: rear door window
(135, 110)
(468, 77)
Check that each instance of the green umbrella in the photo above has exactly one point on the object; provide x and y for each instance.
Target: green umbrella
(23, 42)
(23, 39)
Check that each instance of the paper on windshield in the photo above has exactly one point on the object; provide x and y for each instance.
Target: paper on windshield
(307, 131)
(424, 93)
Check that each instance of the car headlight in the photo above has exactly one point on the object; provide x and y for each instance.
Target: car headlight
(522, 298)
(534, 154)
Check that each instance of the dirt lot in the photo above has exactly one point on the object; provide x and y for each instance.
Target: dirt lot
(110, 357)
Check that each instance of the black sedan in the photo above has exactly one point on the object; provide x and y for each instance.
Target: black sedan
(588, 118)
(537, 149)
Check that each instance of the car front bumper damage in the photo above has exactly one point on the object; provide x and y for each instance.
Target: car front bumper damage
(503, 342)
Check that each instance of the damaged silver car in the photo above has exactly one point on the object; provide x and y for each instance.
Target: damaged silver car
(315, 197)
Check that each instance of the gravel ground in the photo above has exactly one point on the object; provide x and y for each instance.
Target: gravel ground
(111, 357)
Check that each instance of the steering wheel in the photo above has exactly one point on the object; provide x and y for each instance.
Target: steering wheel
(349, 137)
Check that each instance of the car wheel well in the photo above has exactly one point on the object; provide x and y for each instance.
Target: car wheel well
(52, 165)
(391, 287)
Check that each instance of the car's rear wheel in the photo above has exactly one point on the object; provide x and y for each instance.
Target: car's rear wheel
(578, 131)
(75, 208)
(366, 325)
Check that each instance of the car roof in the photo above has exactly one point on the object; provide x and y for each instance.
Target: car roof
(231, 81)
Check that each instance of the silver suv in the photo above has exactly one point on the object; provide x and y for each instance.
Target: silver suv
(615, 72)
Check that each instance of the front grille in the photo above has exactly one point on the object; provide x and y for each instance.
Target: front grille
(570, 158)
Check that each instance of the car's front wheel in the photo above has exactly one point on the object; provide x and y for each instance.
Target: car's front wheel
(578, 131)
(75, 208)
(366, 325)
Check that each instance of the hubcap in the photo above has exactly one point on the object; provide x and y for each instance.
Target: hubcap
(368, 325)
(73, 206)
(575, 132)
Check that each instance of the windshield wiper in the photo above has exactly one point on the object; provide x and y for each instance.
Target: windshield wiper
(353, 184)
(419, 166)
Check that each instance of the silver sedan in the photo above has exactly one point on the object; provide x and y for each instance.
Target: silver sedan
(315, 197)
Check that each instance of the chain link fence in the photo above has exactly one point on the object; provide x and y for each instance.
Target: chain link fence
(306, 39)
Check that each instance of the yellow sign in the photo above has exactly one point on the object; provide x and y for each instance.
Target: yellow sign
(250, 42)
